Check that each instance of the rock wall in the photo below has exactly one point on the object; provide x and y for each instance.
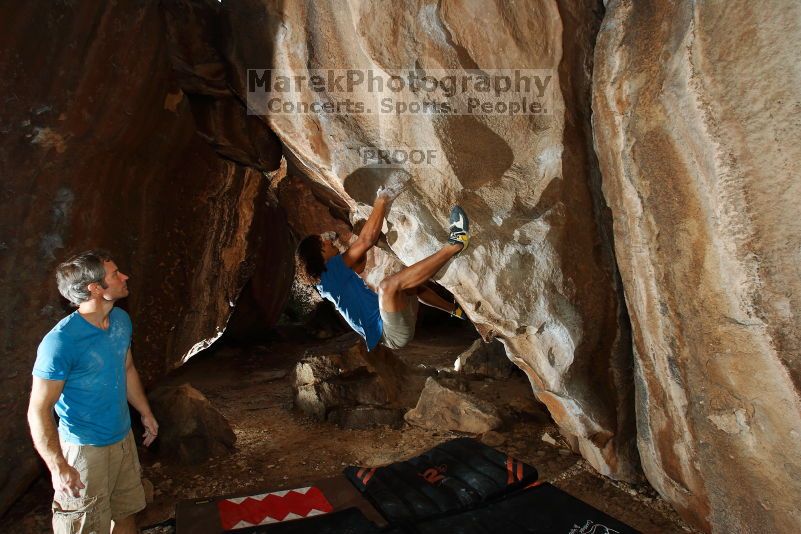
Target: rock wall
(696, 125)
(539, 273)
(99, 147)
(124, 125)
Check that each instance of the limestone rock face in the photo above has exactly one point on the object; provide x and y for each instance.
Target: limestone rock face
(696, 125)
(99, 147)
(539, 273)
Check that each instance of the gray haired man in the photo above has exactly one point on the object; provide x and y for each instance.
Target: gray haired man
(84, 369)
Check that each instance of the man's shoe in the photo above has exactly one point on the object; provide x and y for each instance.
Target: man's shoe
(459, 228)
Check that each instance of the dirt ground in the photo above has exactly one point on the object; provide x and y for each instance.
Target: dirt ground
(277, 447)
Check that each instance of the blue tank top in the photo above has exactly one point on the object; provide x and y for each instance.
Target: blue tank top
(356, 302)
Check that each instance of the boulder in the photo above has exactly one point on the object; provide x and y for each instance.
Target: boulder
(318, 398)
(485, 359)
(343, 383)
(191, 429)
(443, 409)
(696, 108)
(539, 274)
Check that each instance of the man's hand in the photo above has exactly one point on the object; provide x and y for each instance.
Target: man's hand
(151, 429)
(67, 480)
(395, 185)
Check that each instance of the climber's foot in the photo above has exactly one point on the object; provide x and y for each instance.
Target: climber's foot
(459, 228)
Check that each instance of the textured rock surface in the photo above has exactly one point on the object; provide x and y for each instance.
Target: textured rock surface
(441, 408)
(99, 147)
(696, 122)
(194, 32)
(484, 359)
(539, 274)
(343, 383)
(191, 430)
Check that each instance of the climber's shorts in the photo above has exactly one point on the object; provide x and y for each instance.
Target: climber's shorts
(112, 476)
(399, 325)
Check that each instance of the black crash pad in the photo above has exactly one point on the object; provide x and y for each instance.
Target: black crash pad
(454, 476)
(542, 509)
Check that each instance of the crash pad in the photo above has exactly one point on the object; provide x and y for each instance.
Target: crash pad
(234, 513)
(460, 486)
(348, 521)
(457, 475)
(542, 509)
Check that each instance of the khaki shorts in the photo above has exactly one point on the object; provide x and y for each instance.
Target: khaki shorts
(399, 325)
(113, 491)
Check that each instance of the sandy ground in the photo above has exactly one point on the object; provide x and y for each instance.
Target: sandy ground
(277, 447)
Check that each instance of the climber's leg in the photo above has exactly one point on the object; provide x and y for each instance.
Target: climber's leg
(429, 297)
(390, 289)
(398, 326)
(398, 293)
(394, 290)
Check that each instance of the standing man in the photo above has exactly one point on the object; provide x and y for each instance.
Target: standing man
(85, 370)
(388, 317)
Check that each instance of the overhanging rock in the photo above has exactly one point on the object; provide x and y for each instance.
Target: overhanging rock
(539, 273)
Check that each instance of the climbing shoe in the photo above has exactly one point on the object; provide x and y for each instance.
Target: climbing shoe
(459, 228)
(458, 312)
(395, 185)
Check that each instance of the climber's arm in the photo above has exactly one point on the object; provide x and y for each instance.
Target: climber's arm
(359, 267)
(356, 255)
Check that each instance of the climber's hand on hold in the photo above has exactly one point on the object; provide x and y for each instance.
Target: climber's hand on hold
(394, 186)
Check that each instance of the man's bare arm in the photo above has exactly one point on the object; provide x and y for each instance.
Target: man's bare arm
(359, 267)
(368, 237)
(44, 395)
(137, 398)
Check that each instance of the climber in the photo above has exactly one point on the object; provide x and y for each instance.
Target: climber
(388, 317)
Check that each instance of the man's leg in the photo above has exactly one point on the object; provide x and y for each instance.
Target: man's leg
(398, 294)
(393, 291)
(90, 511)
(126, 525)
(125, 483)
(431, 298)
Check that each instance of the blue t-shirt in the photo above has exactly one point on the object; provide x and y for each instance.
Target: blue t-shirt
(357, 303)
(93, 407)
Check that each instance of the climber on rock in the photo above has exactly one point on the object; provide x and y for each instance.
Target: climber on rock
(387, 317)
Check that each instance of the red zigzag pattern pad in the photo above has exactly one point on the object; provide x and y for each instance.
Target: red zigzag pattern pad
(241, 512)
